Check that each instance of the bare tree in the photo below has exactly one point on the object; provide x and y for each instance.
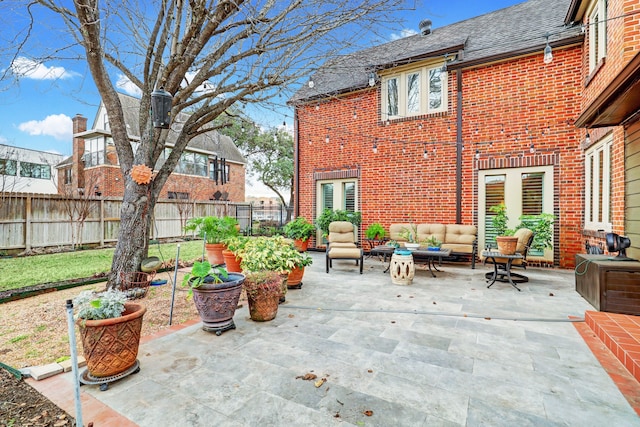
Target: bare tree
(209, 55)
(78, 206)
(183, 203)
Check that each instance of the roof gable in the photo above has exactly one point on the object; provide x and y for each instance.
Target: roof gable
(501, 34)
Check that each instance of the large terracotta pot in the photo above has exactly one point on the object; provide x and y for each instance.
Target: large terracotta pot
(110, 346)
(214, 253)
(507, 244)
(231, 262)
(301, 245)
(294, 280)
(263, 302)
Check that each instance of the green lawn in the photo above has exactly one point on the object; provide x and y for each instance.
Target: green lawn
(21, 272)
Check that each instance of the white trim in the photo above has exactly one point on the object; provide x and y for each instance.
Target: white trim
(591, 185)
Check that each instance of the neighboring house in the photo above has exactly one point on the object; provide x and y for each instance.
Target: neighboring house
(440, 126)
(94, 164)
(610, 111)
(23, 170)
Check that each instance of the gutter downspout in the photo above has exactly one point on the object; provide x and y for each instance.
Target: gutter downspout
(459, 148)
(296, 164)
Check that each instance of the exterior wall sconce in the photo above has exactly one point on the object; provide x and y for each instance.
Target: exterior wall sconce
(161, 108)
(548, 53)
(372, 79)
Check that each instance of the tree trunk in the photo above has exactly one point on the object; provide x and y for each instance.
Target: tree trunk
(133, 235)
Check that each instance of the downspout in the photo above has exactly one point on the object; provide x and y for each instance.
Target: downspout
(459, 148)
(296, 164)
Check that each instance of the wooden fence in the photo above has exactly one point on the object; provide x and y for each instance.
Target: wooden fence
(30, 221)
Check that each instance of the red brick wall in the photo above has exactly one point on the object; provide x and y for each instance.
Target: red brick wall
(109, 181)
(397, 186)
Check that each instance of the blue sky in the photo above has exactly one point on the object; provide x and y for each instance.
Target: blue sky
(37, 112)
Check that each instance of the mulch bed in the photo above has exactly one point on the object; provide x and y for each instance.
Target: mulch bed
(21, 405)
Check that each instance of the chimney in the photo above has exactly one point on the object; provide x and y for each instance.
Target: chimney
(77, 167)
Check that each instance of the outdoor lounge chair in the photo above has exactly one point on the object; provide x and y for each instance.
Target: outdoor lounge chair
(342, 245)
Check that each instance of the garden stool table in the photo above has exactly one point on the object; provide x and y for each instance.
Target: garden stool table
(402, 268)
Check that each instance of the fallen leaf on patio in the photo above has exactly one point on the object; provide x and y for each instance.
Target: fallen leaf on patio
(434, 303)
(307, 377)
(368, 413)
(291, 315)
(551, 294)
(398, 296)
(337, 415)
(320, 382)
(487, 318)
(411, 296)
(370, 370)
(465, 315)
(339, 402)
(393, 321)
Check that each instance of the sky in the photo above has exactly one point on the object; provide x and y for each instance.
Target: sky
(37, 111)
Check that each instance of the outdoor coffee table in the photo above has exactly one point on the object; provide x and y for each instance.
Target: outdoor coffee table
(385, 251)
(501, 270)
(431, 255)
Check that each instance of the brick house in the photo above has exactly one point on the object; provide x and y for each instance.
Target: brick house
(94, 166)
(609, 111)
(440, 126)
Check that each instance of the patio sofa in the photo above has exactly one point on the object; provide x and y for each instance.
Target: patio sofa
(461, 239)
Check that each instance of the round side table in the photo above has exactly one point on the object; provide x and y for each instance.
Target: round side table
(402, 269)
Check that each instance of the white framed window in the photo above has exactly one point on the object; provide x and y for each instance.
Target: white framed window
(94, 151)
(597, 190)
(414, 92)
(337, 194)
(597, 33)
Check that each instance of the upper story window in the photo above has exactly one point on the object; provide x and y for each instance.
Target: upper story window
(597, 33)
(8, 167)
(192, 164)
(35, 170)
(598, 186)
(93, 151)
(414, 92)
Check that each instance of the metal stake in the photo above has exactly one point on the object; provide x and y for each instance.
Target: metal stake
(74, 362)
(175, 278)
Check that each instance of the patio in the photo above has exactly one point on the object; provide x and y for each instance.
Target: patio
(442, 351)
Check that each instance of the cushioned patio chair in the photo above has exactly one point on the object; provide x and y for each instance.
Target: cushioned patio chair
(342, 244)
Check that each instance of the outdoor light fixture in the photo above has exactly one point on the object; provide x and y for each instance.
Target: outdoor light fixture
(375, 147)
(372, 79)
(477, 154)
(532, 149)
(311, 83)
(587, 138)
(548, 54)
(161, 108)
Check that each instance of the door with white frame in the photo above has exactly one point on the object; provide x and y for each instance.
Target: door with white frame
(524, 191)
(336, 194)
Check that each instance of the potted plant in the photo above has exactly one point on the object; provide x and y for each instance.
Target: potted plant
(375, 231)
(301, 260)
(328, 216)
(215, 293)
(432, 243)
(300, 230)
(267, 254)
(213, 230)
(110, 331)
(264, 289)
(233, 246)
(410, 235)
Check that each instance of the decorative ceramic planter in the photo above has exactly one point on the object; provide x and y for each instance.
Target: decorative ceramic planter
(214, 253)
(231, 262)
(110, 346)
(402, 269)
(217, 302)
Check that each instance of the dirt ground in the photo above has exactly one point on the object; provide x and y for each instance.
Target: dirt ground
(34, 331)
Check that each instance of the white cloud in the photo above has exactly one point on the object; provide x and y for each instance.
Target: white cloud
(25, 67)
(125, 84)
(403, 33)
(3, 140)
(58, 126)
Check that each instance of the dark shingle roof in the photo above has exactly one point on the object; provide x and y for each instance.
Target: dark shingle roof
(508, 32)
(210, 142)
